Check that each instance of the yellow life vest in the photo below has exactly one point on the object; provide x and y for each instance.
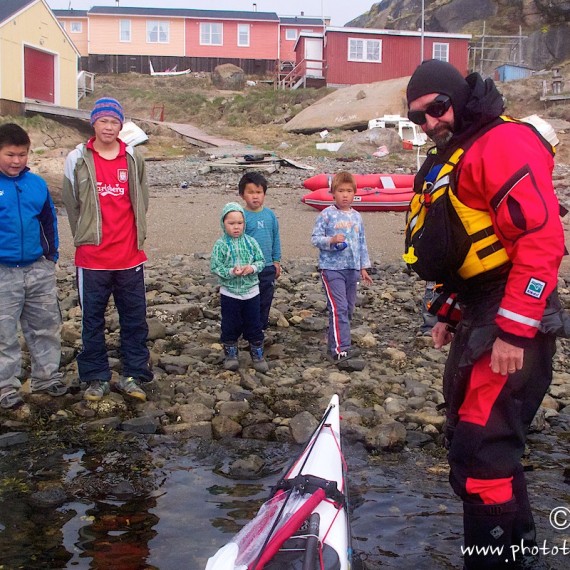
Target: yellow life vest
(446, 240)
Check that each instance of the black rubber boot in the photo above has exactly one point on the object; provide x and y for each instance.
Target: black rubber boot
(231, 361)
(488, 535)
(524, 530)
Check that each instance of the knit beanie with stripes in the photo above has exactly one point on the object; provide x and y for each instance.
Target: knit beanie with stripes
(107, 107)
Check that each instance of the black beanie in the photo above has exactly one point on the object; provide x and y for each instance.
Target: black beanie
(436, 76)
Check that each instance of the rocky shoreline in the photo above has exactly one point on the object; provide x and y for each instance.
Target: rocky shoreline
(391, 403)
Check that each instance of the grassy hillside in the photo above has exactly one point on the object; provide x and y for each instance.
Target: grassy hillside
(193, 99)
(256, 114)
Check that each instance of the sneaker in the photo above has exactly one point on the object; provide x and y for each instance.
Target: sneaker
(54, 387)
(231, 361)
(351, 352)
(10, 398)
(96, 390)
(128, 386)
(258, 360)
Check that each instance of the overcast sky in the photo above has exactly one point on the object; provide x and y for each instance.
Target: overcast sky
(340, 11)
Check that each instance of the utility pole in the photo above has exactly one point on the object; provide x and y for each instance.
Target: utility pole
(482, 49)
(422, 34)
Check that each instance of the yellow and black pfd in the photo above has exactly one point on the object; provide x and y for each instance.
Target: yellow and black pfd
(446, 240)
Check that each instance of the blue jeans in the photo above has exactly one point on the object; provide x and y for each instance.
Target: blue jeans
(127, 287)
(240, 317)
(266, 291)
(340, 290)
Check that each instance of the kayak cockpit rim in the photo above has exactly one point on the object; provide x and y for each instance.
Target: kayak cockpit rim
(309, 484)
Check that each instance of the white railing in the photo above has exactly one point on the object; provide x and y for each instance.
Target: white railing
(85, 83)
(298, 75)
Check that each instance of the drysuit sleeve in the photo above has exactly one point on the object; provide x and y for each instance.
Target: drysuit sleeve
(508, 171)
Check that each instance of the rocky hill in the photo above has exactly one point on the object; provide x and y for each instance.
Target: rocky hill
(544, 25)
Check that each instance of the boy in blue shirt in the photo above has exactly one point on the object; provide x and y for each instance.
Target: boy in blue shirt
(261, 224)
(343, 260)
(28, 253)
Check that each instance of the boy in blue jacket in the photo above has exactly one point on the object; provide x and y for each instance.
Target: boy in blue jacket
(28, 253)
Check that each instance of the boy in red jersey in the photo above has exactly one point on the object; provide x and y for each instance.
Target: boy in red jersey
(106, 196)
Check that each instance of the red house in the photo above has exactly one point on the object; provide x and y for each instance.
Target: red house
(348, 56)
(117, 39)
(291, 27)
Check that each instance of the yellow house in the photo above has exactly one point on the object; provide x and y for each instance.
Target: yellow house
(38, 61)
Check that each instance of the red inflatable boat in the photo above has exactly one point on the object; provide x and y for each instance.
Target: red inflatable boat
(365, 200)
(363, 181)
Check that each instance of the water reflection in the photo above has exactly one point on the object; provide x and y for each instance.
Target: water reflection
(404, 514)
(107, 524)
(199, 510)
(116, 534)
(30, 538)
(237, 504)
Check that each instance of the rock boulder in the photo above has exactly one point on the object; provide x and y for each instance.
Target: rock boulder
(352, 107)
(228, 77)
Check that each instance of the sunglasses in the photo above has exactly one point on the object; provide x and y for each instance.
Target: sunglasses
(436, 109)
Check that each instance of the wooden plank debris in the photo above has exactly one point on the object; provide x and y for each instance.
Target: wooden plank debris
(265, 162)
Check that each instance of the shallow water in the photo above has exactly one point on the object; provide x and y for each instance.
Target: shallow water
(404, 514)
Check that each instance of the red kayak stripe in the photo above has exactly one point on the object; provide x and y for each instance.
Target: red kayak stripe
(287, 530)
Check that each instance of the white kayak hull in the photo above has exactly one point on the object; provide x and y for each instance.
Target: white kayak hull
(321, 458)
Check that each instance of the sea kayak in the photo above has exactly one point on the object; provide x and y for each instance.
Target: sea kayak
(304, 524)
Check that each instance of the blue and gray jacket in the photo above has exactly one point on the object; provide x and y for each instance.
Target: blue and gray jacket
(28, 221)
(332, 221)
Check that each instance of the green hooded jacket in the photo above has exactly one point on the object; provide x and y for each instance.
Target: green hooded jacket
(230, 252)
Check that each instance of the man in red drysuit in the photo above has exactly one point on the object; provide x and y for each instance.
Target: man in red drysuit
(485, 223)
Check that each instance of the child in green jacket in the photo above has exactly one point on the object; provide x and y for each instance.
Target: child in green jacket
(237, 260)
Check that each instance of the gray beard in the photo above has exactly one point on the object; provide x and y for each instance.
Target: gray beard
(441, 140)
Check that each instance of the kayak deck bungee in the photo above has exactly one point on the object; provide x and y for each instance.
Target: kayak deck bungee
(304, 524)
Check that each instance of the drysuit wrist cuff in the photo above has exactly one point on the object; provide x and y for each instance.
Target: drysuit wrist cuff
(515, 340)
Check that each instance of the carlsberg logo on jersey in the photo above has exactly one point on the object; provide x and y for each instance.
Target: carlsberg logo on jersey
(535, 288)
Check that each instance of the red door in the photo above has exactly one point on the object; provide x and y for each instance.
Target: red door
(39, 80)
